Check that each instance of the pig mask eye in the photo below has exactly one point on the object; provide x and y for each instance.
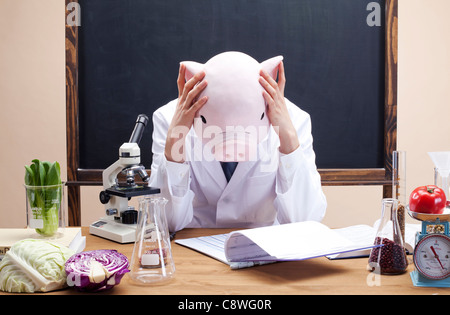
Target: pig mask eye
(262, 116)
(203, 119)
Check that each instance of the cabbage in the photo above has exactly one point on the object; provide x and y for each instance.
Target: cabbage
(33, 265)
(96, 270)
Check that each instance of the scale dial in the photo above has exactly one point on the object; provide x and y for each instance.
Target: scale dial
(432, 256)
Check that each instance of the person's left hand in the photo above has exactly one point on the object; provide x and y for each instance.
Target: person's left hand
(277, 111)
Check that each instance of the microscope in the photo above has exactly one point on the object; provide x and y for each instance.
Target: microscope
(119, 224)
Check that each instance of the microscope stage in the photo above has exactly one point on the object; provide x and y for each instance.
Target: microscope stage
(128, 192)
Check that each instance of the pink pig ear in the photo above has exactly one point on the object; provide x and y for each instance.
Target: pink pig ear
(192, 68)
(271, 66)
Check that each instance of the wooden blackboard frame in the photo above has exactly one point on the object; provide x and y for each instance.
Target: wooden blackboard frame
(77, 177)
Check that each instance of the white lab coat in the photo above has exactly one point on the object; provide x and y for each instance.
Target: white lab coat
(275, 189)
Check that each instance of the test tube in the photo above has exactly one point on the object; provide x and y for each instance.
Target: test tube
(399, 186)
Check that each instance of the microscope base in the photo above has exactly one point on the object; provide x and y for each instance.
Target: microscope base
(114, 231)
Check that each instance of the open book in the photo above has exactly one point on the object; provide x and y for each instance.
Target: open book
(287, 242)
(362, 234)
(72, 238)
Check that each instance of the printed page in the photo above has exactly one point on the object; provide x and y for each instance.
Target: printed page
(363, 235)
(295, 241)
(212, 246)
(410, 236)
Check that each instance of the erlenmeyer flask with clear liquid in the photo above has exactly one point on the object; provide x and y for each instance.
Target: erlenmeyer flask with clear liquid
(151, 261)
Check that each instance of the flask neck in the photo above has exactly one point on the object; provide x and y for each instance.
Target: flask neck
(389, 225)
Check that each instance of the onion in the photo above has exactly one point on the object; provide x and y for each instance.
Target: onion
(96, 270)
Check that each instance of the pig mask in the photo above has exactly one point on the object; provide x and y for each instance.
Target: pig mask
(233, 121)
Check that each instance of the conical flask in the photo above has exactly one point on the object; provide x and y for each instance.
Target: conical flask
(151, 261)
(390, 256)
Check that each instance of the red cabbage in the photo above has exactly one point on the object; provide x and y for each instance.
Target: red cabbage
(96, 270)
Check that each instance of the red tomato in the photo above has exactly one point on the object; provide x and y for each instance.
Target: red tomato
(427, 199)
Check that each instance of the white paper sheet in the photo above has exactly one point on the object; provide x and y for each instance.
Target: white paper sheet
(296, 241)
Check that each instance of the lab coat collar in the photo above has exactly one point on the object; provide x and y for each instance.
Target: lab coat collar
(215, 171)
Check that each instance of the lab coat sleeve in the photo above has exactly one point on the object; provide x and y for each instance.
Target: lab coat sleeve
(172, 178)
(298, 185)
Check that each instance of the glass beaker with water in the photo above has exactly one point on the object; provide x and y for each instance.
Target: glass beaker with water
(151, 261)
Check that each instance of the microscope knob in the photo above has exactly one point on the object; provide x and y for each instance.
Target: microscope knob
(104, 197)
(111, 211)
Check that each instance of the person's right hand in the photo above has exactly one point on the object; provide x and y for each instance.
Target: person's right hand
(187, 107)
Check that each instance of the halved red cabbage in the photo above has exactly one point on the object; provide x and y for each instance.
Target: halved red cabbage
(96, 270)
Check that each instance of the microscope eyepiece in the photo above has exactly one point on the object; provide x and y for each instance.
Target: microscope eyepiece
(138, 131)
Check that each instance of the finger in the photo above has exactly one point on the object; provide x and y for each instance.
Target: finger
(199, 104)
(189, 86)
(269, 78)
(181, 79)
(269, 100)
(194, 80)
(195, 92)
(268, 87)
(281, 77)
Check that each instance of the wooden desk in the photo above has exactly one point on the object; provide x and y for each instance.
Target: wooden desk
(197, 274)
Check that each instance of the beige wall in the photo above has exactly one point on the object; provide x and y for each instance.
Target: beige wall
(32, 96)
(32, 102)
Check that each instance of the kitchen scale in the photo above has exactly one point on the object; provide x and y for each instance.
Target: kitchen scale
(432, 250)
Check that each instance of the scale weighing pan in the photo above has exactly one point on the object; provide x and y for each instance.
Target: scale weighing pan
(444, 217)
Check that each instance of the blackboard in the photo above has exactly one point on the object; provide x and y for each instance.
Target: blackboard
(339, 69)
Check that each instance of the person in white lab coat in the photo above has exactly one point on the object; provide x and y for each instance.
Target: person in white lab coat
(284, 187)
